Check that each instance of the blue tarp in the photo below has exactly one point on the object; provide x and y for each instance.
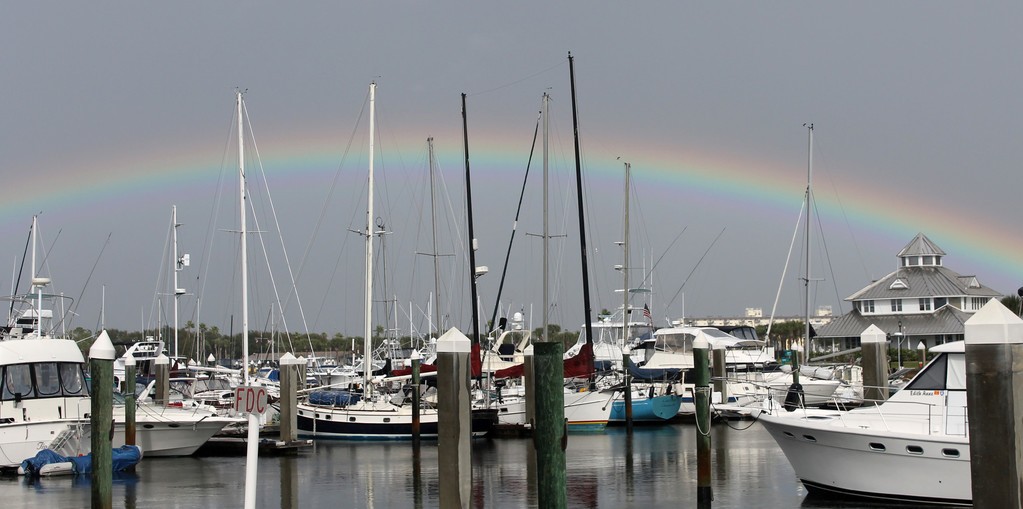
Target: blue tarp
(124, 457)
(331, 397)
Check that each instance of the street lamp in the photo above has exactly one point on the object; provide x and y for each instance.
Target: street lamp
(898, 336)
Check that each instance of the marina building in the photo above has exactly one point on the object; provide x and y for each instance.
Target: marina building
(921, 301)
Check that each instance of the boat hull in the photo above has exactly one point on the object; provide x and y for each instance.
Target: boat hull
(357, 423)
(22, 440)
(656, 409)
(831, 457)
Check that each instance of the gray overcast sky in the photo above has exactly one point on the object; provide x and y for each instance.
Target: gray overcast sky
(112, 112)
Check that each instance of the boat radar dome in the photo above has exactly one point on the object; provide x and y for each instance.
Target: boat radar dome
(40, 281)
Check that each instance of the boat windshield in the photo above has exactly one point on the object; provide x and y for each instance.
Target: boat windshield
(42, 380)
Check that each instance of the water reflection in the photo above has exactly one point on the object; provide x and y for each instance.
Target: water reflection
(656, 468)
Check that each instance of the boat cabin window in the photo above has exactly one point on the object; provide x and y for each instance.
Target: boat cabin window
(47, 379)
(679, 342)
(18, 380)
(932, 378)
(43, 380)
(71, 379)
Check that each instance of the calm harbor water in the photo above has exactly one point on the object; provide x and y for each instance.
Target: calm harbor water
(657, 469)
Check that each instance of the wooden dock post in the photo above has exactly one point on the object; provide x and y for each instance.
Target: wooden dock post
(101, 420)
(290, 382)
(704, 493)
(129, 399)
(454, 420)
(550, 429)
(529, 381)
(162, 367)
(994, 392)
(719, 363)
(873, 345)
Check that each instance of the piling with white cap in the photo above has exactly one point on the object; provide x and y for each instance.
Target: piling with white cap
(874, 346)
(454, 418)
(162, 366)
(101, 369)
(994, 392)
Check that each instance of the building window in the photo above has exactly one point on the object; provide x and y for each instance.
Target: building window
(868, 306)
(977, 302)
(925, 304)
(896, 305)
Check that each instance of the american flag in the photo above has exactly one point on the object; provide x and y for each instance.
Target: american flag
(646, 311)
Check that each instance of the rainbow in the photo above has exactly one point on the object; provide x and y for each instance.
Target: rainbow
(772, 190)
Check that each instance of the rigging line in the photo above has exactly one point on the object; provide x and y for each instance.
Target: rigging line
(17, 281)
(516, 82)
(672, 301)
(785, 268)
(827, 256)
(331, 189)
(287, 261)
(515, 223)
(658, 262)
(203, 276)
(845, 217)
(74, 307)
(161, 274)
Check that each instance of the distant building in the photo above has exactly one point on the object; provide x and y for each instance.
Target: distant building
(755, 317)
(921, 301)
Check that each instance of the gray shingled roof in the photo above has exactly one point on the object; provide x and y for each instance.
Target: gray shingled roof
(921, 246)
(946, 320)
(923, 282)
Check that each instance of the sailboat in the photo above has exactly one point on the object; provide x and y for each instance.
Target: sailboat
(585, 410)
(811, 391)
(369, 413)
(641, 402)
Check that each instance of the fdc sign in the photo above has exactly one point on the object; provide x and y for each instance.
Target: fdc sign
(250, 400)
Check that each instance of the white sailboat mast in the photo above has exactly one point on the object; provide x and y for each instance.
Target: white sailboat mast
(546, 231)
(625, 266)
(174, 233)
(367, 354)
(809, 213)
(244, 247)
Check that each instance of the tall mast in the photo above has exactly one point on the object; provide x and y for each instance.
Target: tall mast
(625, 267)
(809, 213)
(546, 230)
(174, 233)
(433, 219)
(244, 243)
(367, 354)
(472, 239)
(579, 197)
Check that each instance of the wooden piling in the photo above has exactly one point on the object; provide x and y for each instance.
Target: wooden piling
(101, 369)
(129, 399)
(290, 371)
(720, 373)
(873, 344)
(704, 493)
(454, 420)
(162, 367)
(529, 381)
(550, 429)
(994, 394)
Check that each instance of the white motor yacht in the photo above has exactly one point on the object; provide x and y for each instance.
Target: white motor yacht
(912, 447)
